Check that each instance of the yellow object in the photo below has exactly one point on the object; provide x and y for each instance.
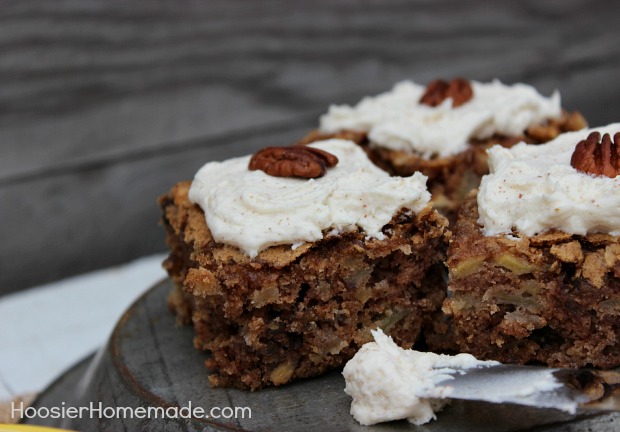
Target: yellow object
(26, 428)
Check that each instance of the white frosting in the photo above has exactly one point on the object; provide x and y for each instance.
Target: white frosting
(388, 383)
(533, 188)
(396, 120)
(253, 211)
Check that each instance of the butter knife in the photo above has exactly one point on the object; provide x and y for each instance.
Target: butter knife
(568, 390)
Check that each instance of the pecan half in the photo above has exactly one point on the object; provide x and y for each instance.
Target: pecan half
(596, 156)
(294, 161)
(437, 91)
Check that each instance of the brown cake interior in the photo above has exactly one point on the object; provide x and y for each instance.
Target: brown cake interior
(553, 298)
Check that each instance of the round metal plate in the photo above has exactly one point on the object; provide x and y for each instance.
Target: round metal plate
(151, 362)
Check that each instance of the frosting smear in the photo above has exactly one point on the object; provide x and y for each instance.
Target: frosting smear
(388, 383)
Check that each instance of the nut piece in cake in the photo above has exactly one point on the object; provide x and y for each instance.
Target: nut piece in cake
(284, 277)
(444, 129)
(535, 258)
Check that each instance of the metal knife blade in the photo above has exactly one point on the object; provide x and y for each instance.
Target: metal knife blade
(564, 389)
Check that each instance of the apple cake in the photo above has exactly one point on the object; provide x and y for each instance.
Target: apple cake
(285, 261)
(534, 261)
(443, 130)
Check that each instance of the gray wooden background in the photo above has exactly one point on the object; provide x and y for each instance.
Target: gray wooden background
(105, 104)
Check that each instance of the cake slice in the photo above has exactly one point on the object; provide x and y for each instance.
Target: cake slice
(535, 258)
(444, 129)
(284, 276)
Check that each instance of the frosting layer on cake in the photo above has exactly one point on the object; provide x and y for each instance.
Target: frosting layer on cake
(534, 188)
(253, 210)
(396, 120)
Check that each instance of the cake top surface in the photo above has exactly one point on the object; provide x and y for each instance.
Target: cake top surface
(388, 383)
(397, 120)
(253, 210)
(534, 188)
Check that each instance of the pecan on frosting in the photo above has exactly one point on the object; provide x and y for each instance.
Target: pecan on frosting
(459, 90)
(294, 161)
(596, 156)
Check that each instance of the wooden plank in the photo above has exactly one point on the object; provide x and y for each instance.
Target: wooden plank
(100, 215)
(104, 104)
(91, 79)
